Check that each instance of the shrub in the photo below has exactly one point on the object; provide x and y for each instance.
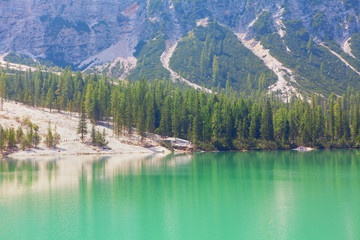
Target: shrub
(24, 143)
(11, 138)
(167, 144)
(52, 139)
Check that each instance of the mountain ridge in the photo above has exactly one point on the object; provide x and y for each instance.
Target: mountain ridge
(108, 36)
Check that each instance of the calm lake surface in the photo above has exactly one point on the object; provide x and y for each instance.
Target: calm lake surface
(254, 195)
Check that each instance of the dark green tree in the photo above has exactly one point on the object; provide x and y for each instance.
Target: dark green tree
(267, 127)
(82, 127)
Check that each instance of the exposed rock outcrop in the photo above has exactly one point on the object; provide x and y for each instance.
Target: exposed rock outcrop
(90, 32)
(99, 35)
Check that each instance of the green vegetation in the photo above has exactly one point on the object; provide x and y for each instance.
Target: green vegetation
(2, 91)
(264, 25)
(355, 45)
(321, 26)
(115, 71)
(52, 138)
(333, 45)
(98, 138)
(10, 138)
(154, 7)
(148, 55)
(28, 61)
(20, 59)
(319, 70)
(223, 121)
(213, 56)
(30, 140)
(82, 128)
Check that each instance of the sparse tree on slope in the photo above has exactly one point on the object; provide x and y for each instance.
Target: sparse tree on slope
(82, 128)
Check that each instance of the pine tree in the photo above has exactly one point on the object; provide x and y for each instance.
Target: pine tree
(248, 82)
(90, 102)
(339, 125)
(215, 69)
(261, 84)
(101, 99)
(19, 134)
(93, 134)
(331, 116)
(150, 112)
(57, 138)
(216, 123)
(82, 128)
(11, 138)
(282, 129)
(58, 93)
(129, 114)
(309, 45)
(141, 123)
(228, 124)
(30, 136)
(115, 103)
(255, 123)
(2, 139)
(197, 122)
(176, 115)
(2, 91)
(346, 126)
(50, 98)
(356, 122)
(213, 119)
(267, 128)
(36, 137)
(319, 129)
(307, 128)
(49, 139)
(165, 122)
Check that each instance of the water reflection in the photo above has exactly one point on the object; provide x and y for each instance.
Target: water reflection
(46, 173)
(253, 195)
(17, 176)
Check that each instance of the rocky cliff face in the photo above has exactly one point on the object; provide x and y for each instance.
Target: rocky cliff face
(86, 32)
(70, 31)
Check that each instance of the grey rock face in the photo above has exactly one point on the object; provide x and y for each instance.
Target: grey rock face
(74, 31)
(67, 31)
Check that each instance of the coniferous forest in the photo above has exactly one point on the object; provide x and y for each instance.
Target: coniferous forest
(222, 121)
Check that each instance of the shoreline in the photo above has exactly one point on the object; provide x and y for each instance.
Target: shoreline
(70, 144)
(16, 155)
(64, 154)
(80, 156)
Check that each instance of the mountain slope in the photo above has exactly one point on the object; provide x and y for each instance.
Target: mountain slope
(85, 34)
(213, 56)
(318, 68)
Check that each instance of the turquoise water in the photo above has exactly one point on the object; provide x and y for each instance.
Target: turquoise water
(254, 195)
